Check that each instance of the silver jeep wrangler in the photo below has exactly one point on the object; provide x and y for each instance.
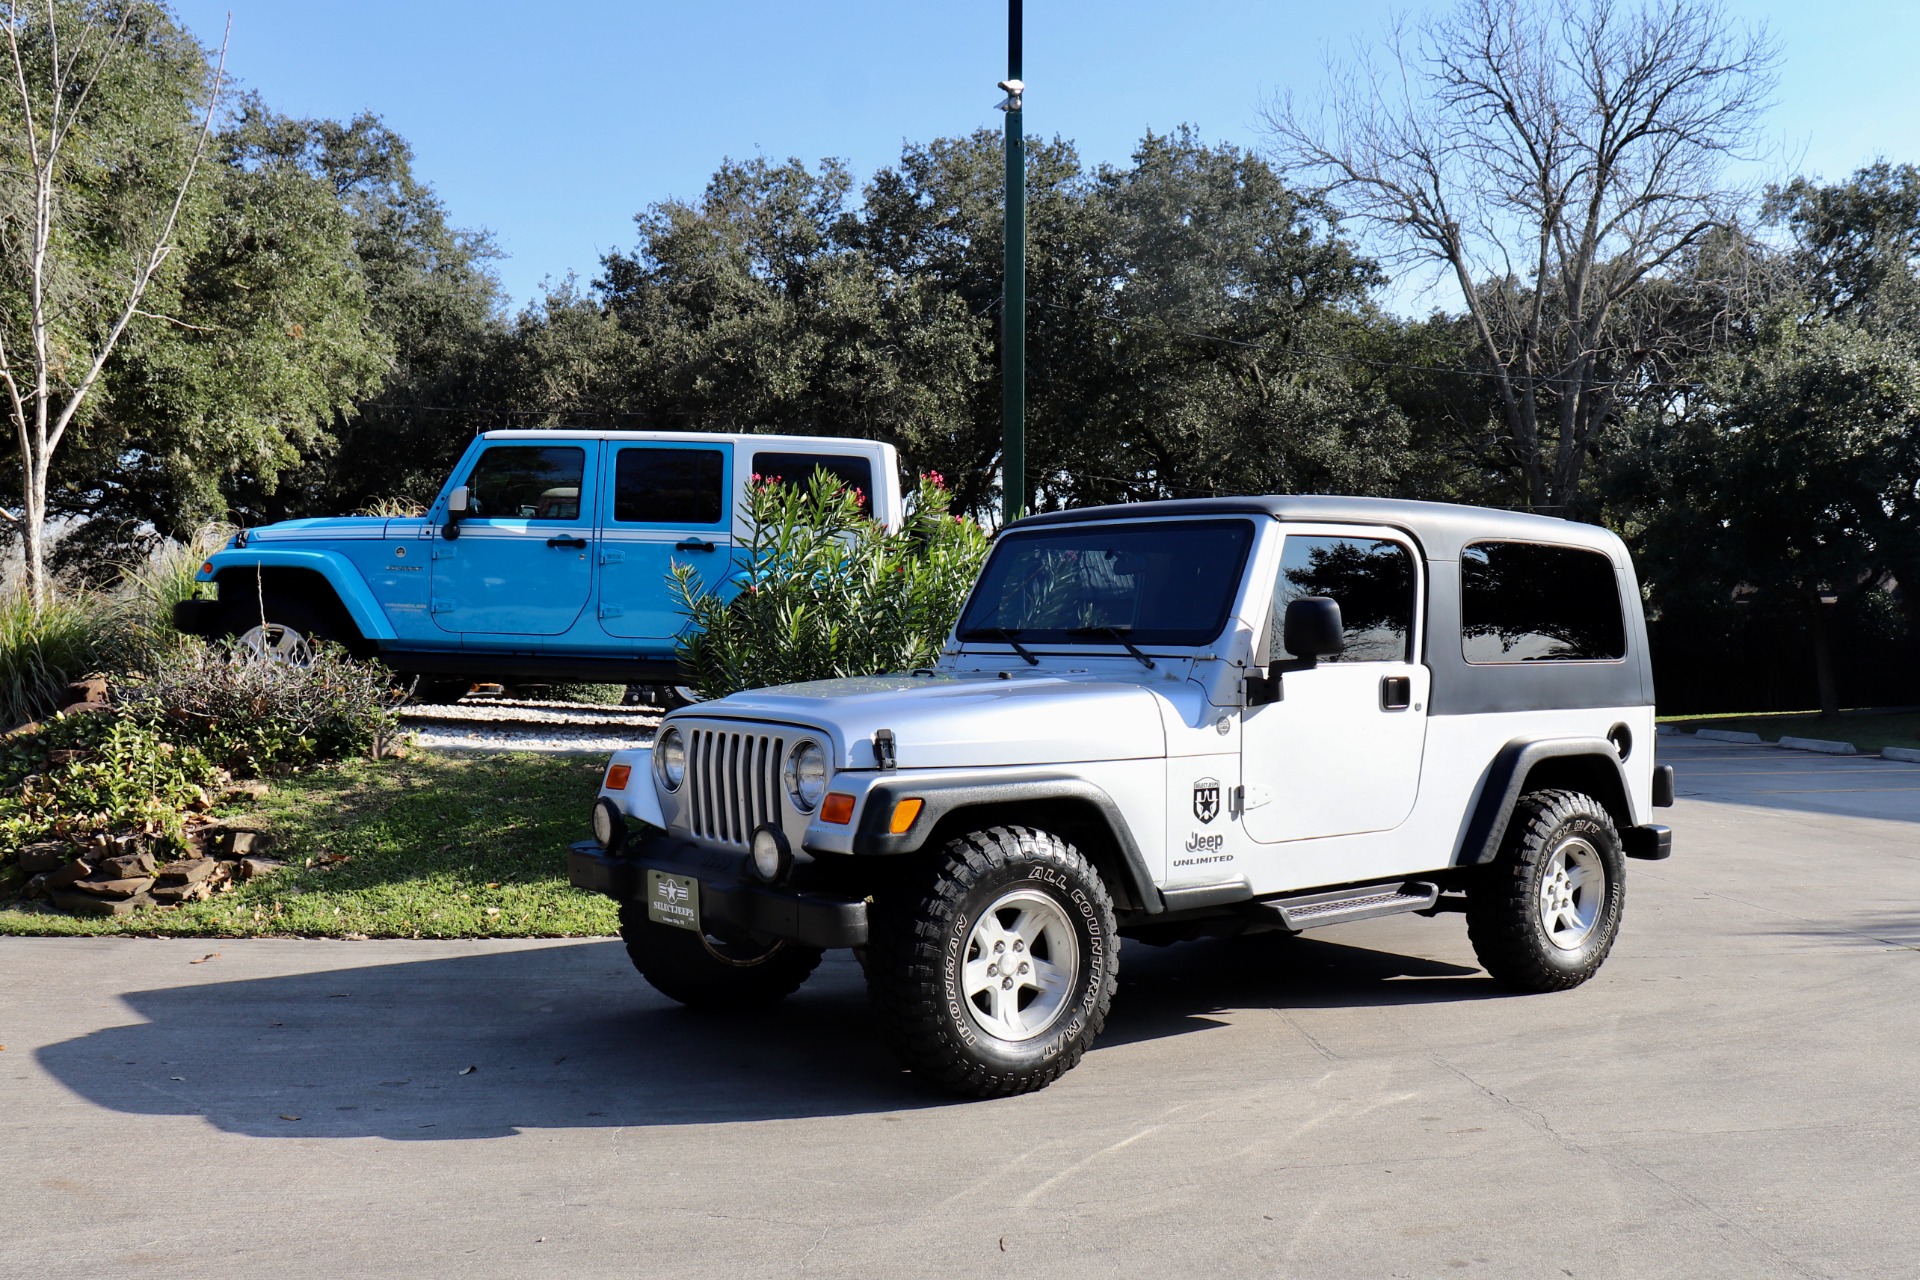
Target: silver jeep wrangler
(1161, 721)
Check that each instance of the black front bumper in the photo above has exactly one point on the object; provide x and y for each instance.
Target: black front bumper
(728, 892)
(197, 617)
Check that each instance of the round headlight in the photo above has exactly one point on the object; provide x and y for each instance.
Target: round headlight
(670, 759)
(806, 773)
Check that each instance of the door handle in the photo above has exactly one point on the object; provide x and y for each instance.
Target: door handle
(578, 544)
(693, 544)
(1396, 693)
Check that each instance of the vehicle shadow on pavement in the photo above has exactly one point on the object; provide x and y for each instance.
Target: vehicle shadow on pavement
(1169, 990)
(491, 1043)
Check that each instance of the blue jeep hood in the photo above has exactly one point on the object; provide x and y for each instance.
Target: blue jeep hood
(324, 529)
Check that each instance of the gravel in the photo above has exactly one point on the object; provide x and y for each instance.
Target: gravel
(564, 728)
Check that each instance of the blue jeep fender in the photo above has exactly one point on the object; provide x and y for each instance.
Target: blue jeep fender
(335, 569)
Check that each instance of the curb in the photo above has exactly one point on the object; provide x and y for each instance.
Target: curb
(1821, 745)
(1908, 754)
(1731, 735)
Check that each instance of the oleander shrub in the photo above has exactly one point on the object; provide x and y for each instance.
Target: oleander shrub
(828, 591)
(251, 714)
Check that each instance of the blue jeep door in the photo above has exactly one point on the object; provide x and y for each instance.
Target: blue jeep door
(666, 504)
(523, 563)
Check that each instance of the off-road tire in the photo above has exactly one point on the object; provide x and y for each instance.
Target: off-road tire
(706, 972)
(918, 963)
(1509, 905)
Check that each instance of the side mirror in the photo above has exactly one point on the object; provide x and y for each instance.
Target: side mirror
(456, 507)
(1312, 629)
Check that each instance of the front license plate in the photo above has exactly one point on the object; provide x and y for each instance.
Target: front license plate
(673, 900)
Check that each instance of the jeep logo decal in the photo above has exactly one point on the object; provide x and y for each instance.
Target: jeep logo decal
(1206, 799)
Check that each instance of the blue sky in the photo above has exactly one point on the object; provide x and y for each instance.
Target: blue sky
(551, 125)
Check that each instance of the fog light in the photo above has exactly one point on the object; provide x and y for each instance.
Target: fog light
(609, 825)
(772, 857)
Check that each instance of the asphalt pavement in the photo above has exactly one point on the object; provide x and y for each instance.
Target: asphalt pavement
(1734, 1095)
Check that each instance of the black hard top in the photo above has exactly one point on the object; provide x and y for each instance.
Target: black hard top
(1441, 528)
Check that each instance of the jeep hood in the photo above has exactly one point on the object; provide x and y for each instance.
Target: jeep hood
(956, 721)
(324, 527)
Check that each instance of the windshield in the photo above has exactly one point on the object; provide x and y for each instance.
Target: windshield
(1160, 583)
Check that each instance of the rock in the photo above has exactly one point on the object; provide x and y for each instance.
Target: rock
(127, 866)
(244, 844)
(86, 904)
(24, 728)
(63, 756)
(84, 691)
(36, 887)
(174, 894)
(245, 789)
(187, 871)
(248, 868)
(86, 709)
(64, 876)
(48, 855)
(123, 888)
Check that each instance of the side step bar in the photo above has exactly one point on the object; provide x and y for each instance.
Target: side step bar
(1312, 910)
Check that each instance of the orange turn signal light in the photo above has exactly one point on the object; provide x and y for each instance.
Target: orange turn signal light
(903, 815)
(837, 808)
(617, 776)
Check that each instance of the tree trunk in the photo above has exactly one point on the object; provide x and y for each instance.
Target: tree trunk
(1823, 659)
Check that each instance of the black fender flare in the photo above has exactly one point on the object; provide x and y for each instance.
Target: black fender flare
(1506, 777)
(942, 798)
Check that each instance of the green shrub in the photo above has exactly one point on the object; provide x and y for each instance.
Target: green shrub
(83, 774)
(829, 592)
(252, 714)
(598, 695)
(45, 647)
(147, 592)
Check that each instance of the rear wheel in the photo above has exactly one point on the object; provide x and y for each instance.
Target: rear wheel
(995, 977)
(708, 971)
(1544, 915)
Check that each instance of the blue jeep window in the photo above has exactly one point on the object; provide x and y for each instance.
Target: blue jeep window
(527, 482)
(669, 486)
(798, 468)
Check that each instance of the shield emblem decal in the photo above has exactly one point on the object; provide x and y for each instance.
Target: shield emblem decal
(1206, 799)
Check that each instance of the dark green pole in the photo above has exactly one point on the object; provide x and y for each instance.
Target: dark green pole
(1013, 296)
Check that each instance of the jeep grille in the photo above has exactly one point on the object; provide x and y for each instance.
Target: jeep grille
(733, 783)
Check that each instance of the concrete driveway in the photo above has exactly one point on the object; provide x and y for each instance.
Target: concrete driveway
(1735, 1095)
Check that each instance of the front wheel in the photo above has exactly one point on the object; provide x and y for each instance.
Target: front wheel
(995, 976)
(1544, 915)
(706, 971)
(279, 630)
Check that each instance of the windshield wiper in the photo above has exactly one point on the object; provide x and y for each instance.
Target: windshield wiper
(1007, 634)
(1119, 636)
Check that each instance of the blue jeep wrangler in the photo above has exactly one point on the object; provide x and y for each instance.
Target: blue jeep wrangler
(545, 557)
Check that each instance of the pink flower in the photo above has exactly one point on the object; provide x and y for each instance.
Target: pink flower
(937, 480)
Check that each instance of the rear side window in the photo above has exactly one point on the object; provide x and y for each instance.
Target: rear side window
(1526, 602)
(1372, 582)
(797, 468)
(669, 486)
(527, 482)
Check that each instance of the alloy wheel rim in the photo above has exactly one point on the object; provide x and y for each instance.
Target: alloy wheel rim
(1021, 967)
(1573, 886)
(275, 642)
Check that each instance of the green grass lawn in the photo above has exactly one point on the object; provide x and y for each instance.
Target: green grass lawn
(432, 846)
(1867, 732)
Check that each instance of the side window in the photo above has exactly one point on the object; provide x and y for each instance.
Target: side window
(669, 486)
(1526, 602)
(798, 468)
(527, 482)
(1372, 582)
